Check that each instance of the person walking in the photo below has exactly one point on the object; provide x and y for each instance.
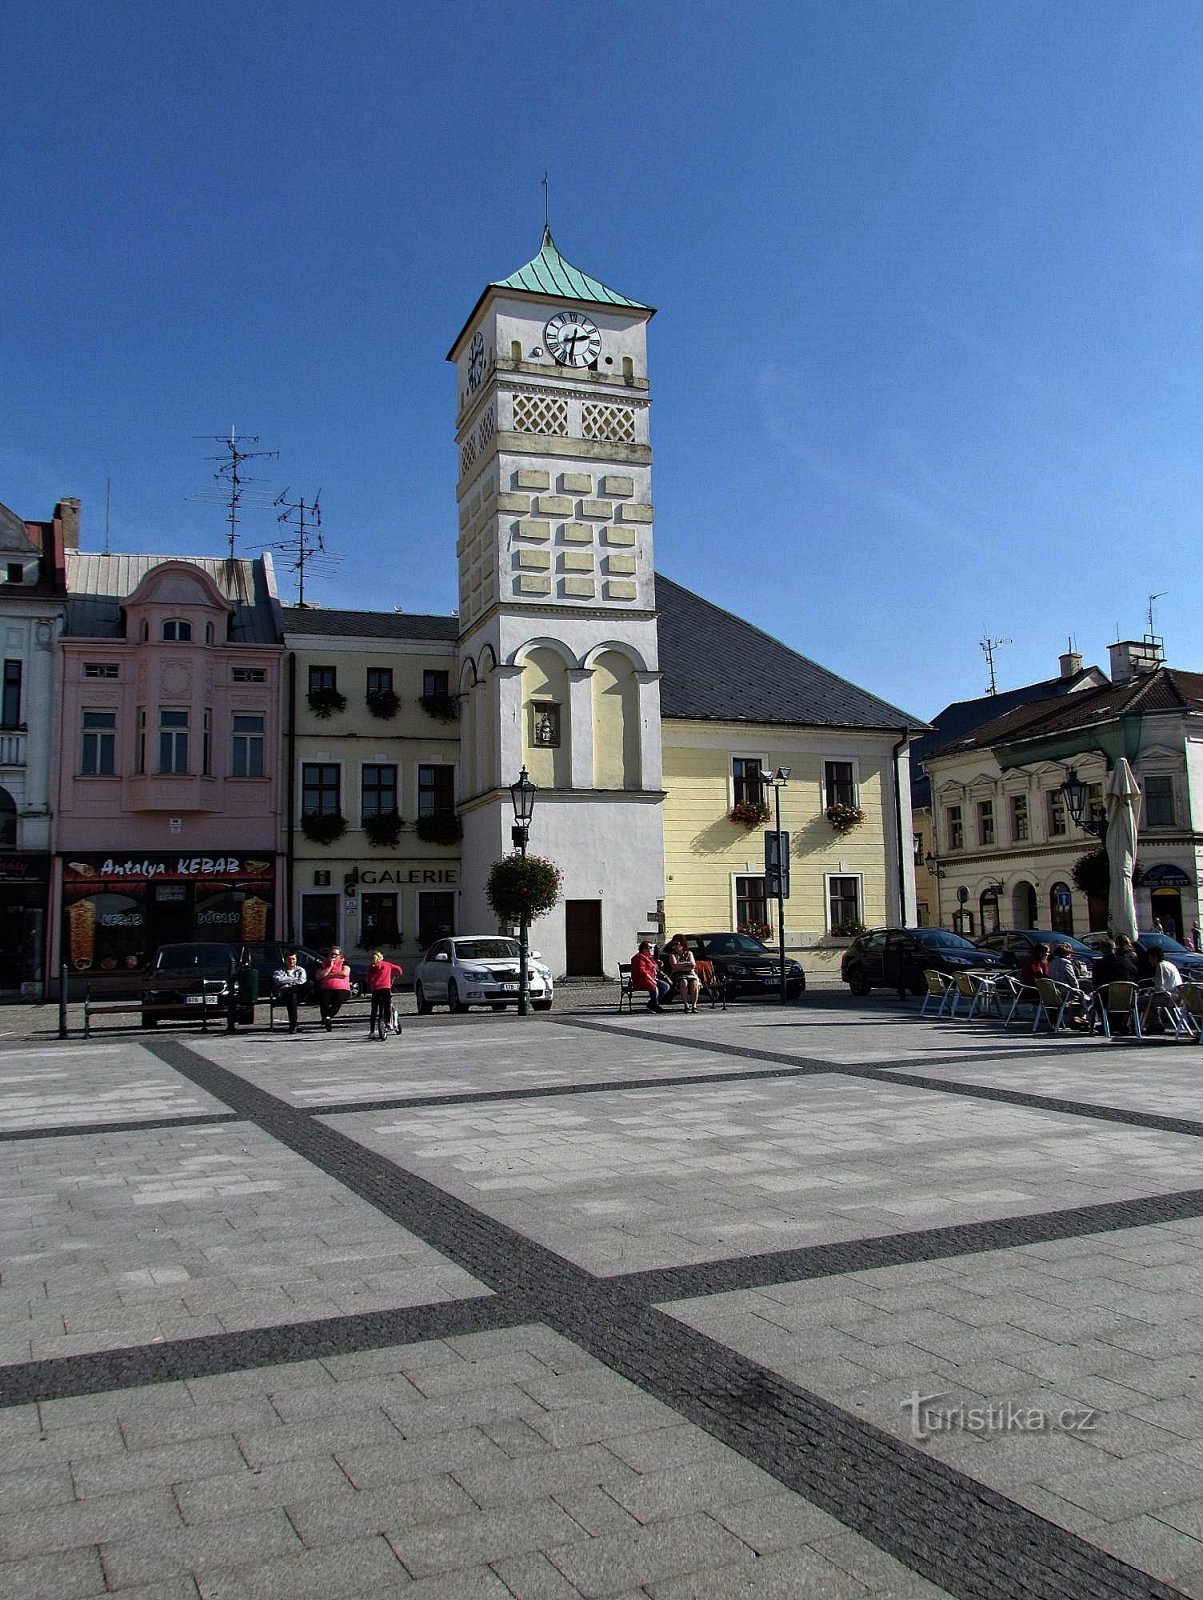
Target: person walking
(684, 971)
(334, 987)
(380, 976)
(288, 984)
(645, 976)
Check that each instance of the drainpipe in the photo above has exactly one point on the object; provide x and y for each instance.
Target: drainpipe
(902, 916)
(290, 790)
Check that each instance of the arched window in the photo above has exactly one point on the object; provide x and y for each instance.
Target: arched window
(1061, 909)
(8, 821)
(988, 908)
(177, 630)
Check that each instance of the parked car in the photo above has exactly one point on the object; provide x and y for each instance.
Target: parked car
(897, 958)
(266, 956)
(1189, 962)
(1015, 945)
(478, 970)
(743, 965)
(183, 978)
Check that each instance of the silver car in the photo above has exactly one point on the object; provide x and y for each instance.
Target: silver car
(478, 970)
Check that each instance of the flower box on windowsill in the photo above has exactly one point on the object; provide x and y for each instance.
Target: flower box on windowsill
(843, 818)
(384, 829)
(442, 827)
(442, 707)
(383, 702)
(749, 813)
(323, 827)
(323, 701)
(851, 928)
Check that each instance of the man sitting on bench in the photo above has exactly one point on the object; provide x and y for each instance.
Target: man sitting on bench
(288, 984)
(645, 975)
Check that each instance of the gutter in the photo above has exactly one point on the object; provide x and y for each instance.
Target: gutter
(903, 921)
(290, 780)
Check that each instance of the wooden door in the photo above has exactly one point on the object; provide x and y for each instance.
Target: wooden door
(582, 938)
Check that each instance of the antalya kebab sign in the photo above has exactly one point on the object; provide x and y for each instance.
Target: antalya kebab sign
(172, 868)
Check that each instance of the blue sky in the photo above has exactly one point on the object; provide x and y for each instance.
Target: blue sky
(927, 363)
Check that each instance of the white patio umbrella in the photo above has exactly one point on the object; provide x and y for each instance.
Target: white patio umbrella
(1123, 803)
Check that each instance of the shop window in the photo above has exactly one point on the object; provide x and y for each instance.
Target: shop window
(173, 742)
(176, 630)
(319, 921)
(8, 821)
(843, 905)
(435, 683)
(1159, 802)
(954, 827)
(1058, 824)
(98, 744)
(436, 790)
(379, 925)
(752, 907)
(985, 822)
(839, 783)
(10, 705)
(545, 724)
(378, 791)
(319, 791)
(747, 788)
(246, 756)
(1020, 831)
(380, 680)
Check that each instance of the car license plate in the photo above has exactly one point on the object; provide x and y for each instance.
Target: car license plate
(509, 988)
(195, 999)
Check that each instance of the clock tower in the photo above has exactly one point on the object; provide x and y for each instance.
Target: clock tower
(558, 656)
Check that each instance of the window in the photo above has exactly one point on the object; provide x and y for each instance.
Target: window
(10, 706)
(98, 749)
(1060, 909)
(1159, 802)
(248, 674)
(15, 572)
(173, 741)
(207, 743)
(435, 683)
(319, 789)
(1058, 826)
(1096, 803)
(545, 724)
(140, 742)
(954, 827)
(246, 756)
(378, 791)
(101, 669)
(843, 905)
(985, 822)
(177, 630)
(379, 920)
(751, 907)
(746, 783)
(838, 785)
(436, 916)
(1019, 818)
(436, 790)
(380, 680)
(322, 678)
(917, 848)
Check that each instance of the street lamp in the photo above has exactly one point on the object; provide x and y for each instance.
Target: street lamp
(936, 873)
(522, 794)
(1076, 795)
(778, 782)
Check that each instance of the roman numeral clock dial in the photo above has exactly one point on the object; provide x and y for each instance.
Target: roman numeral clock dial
(572, 340)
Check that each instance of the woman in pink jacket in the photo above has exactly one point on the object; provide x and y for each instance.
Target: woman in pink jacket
(334, 987)
(380, 975)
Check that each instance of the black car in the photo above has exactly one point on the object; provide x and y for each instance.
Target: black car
(742, 965)
(1015, 945)
(185, 979)
(1189, 962)
(897, 958)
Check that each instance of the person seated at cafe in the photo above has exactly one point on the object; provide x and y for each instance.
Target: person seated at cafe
(1063, 971)
(683, 969)
(1036, 966)
(1165, 982)
(1117, 964)
(647, 977)
(288, 985)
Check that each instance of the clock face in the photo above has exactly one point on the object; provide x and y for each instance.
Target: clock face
(476, 360)
(571, 339)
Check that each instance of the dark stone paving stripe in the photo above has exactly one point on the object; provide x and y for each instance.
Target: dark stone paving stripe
(65, 1377)
(957, 1533)
(659, 1284)
(136, 1125)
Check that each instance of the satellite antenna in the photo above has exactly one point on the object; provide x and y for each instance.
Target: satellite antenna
(988, 646)
(234, 481)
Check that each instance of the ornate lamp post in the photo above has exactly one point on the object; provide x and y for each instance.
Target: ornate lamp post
(522, 794)
(936, 872)
(778, 782)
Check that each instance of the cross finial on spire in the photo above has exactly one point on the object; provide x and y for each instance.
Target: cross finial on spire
(546, 204)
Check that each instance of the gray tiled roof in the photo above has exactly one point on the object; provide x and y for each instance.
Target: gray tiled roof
(368, 624)
(718, 668)
(97, 585)
(14, 535)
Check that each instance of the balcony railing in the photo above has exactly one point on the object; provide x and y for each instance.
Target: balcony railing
(12, 748)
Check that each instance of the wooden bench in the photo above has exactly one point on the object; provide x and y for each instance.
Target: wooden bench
(134, 1001)
(712, 987)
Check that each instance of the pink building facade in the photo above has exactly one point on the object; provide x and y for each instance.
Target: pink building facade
(167, 819)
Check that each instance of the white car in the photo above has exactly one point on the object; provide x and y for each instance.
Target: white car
(478, 970)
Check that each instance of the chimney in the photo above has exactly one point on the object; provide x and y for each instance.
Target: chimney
(1130, 658)
(1071, 664)
(67, 514)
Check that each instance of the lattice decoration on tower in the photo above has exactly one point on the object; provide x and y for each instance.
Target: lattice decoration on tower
(614, 423)
(486, 429)
(467, 456)
(540, 413)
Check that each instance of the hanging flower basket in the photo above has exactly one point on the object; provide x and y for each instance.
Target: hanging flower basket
(323, 827)
(844, 818)
(521, 886)
(749, 813)
(756, 930)
(850, 928)
(1092, 874)
(323, 701)
(442, 707)
(384, 829)
(441, 827)
(383, 702)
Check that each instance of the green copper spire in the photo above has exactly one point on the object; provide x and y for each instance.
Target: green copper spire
(550, 274)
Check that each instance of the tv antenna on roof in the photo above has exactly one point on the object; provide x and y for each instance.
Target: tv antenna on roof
(988, 646)
(230, 474)
(307, 547)
(1153, 597)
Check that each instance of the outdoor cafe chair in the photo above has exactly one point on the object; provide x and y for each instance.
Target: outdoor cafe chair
(1053, 1000)
(940, 989)
(971, 986)
(1159, 1003)
(1008, 986)
(1190, 998)
(1118, 999)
